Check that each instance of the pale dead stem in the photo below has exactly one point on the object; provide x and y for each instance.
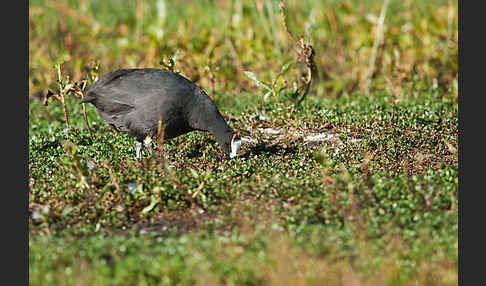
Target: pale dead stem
(62, 91)
(378, 37)
(160, 134)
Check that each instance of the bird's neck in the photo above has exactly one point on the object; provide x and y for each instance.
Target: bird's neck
(223, 133)
(206, 117)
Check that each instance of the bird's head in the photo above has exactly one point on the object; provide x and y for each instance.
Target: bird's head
(235, 145)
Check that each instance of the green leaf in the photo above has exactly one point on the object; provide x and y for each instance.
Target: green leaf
(285, 68)
(257, 82)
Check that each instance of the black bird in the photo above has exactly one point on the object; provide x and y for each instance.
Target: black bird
(134, 100)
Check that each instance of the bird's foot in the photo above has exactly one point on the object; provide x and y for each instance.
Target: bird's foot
(148, 144)
(138, 149)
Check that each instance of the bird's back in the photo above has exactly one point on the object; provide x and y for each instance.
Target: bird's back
(131, 85)
(133, 100)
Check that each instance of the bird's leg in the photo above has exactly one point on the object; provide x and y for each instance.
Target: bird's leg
(138, 147)
(148, 144)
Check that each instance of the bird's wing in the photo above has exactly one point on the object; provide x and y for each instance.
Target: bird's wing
(110, 103)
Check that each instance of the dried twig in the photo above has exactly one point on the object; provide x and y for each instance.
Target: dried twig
(78, 90)
(160, 134)
(68, 87)
(84, 109)
(62, 91)
(305, 52)
(169, 173)
(48, 95)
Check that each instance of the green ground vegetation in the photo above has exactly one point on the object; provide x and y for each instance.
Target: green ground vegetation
(355, 185)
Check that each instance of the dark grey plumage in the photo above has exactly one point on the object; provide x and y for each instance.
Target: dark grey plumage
(131, 100)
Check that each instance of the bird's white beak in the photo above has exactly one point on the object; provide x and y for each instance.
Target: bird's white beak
(235, 147)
